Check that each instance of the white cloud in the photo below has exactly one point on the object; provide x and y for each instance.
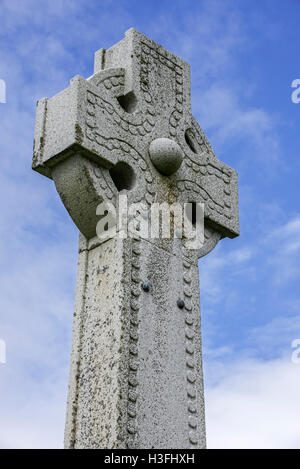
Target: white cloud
(221, 112)
(35, 417)
(42, 51)
(272, 258)
(208, 36)
(36, 304)
(219, 268)
(51, 42)
(212, 37)
(255, 405)
(285, 258)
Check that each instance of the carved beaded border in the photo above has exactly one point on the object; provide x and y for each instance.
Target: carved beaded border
(133, 343)
(132, 123)
(190, 352)
(150, 53)
(222, 207)
(118, 144)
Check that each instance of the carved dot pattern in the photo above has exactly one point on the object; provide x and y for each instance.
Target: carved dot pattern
(103, 183)
(133, 344)
(177, 113)
(115, 144)
(150, 55)
(106, 101)
(211, 167)
(190, 360)
(223, 206)
(112, 81)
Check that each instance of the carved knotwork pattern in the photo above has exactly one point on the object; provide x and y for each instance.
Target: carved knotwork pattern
(203, 171)
(118, 144)
(151, 59)
(138, 124)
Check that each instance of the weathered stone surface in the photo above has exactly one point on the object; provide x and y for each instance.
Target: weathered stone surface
(166, 155)
(136, 367)
(138, 93)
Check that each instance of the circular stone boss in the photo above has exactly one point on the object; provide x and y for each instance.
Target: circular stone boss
(166, 155)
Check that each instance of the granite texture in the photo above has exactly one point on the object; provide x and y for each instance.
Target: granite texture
(136, 366)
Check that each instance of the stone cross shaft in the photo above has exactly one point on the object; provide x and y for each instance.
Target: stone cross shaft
(136, 366)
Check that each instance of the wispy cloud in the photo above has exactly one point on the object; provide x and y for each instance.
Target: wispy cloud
(285, 259)
(252, 392)
(230, 122)
(208, 35)
(43, 44)
(213, 36)
(255, 405)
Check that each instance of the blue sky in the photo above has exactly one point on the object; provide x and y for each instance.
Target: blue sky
(244, 56)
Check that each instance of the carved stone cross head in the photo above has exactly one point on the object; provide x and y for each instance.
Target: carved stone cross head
(130, 127)
(136, 367)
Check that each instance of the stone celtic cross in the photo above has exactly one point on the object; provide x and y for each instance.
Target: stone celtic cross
(136, 367)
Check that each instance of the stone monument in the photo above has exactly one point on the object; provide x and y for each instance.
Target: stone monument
(136, 366)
